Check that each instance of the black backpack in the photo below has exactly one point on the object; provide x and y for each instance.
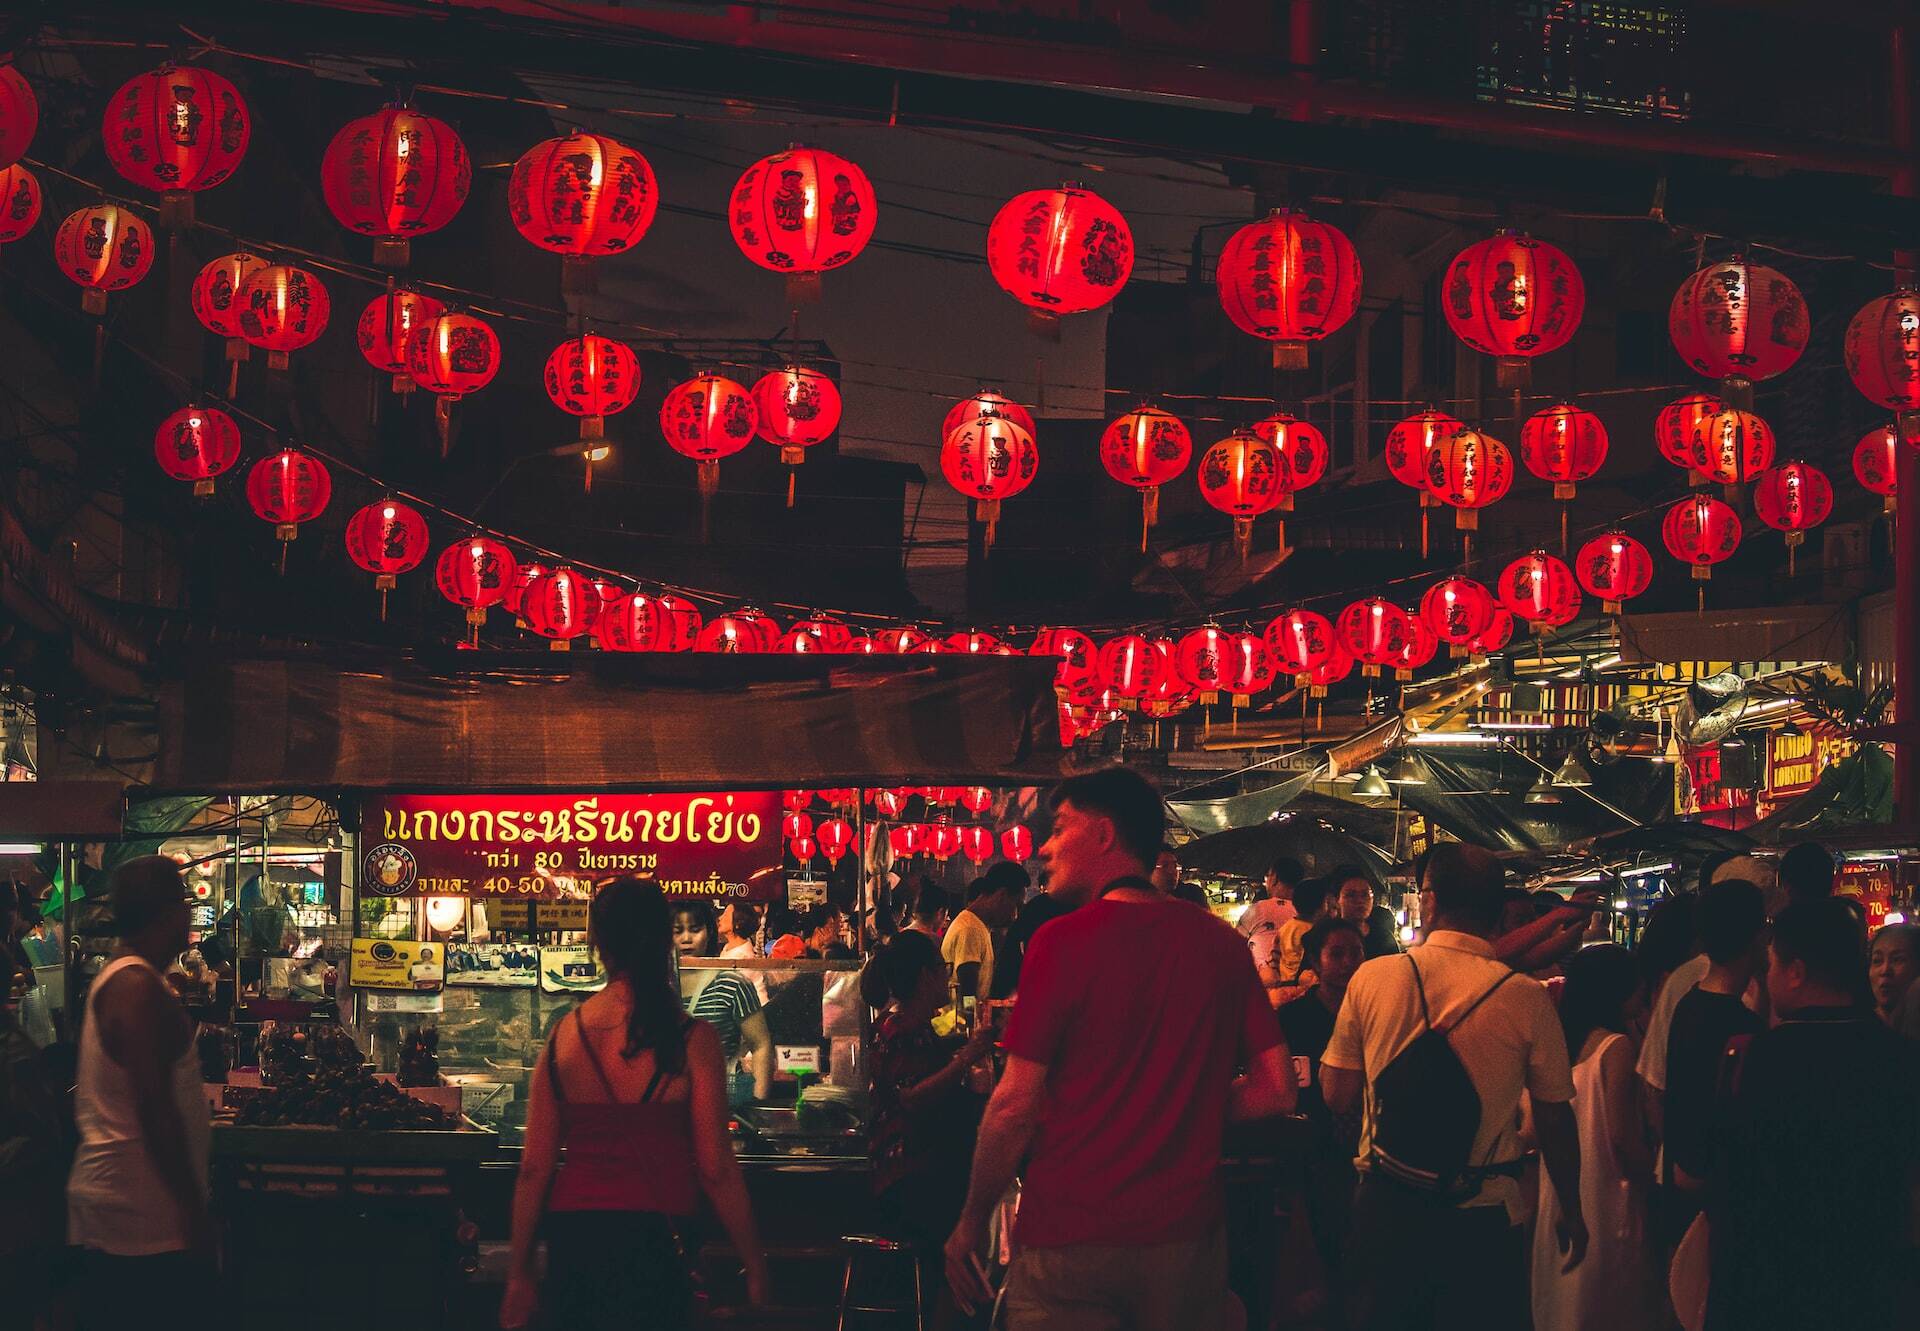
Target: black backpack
(1426, 1111)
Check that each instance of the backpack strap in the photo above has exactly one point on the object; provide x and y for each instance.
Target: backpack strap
(1475, 1005)
(1420, 989)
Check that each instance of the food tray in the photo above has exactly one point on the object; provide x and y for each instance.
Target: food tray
(233, 1141)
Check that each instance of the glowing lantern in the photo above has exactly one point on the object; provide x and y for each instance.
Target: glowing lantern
(976, 843)
(452, 356)
(797, 825)
(1738, 321)
(1146, 448)
(1336, 667)
(1249, 668)
(919, 838)
(583, 196)
(282, 309)
(523, 577)
(1421, 646)
(104, 248)
(288, 489)
(1701, 531)
(889, 803)
(1540, 589)
(1679, 424)
(592, 377)
(1469, 470)
(899, 641)
(1513, 297)
(1882, 353)
(1059, 251)
(1496, 637)
(804, 849)
(1244, 476)
(1200, 659)
(835, 836)
(1170, 694)
(976, 799)
(975, 643)
(178, 129)
(1408, 444)
(1299, 641)
(215, 297)
(19, 114)
(1130, 666)
(707, 418)
(387, 538)
(802, 212)
(19, 202)
(475, 573)
(829, 633)
(680, 624)
(197, 444)
(797, 408)
(1791, 498)
(560, 606)
(796, 800)
(628, 622)
(1457, 610)
(387, 328)
(741, 631)
(1290, 280)
(1016, 843)
(1876, 462)
(1303, 447)
(988, 459)
(1374, 631)
(1563, 444)
(944, 840)
(1733, 446)
(986, 402)
(394, 175)
(1070, 645)
(1614, 567)
(900, 841)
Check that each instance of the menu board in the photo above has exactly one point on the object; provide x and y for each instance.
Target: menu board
(543, 847)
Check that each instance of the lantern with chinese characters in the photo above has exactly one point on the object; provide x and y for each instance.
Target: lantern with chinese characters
(1408, 444)
(1303, 447)
(524, 576)
(287, 489)
(1249, 668)
(1170, 694)
(1336, 667)
(592, 377)
(19, 202)
(986, 402)
(1290, 280)
(103, 247)
(583, 196)
(1200, 659)
(1882, 353)
(1739, 322)
(178, 129)
(802, 212)
(900, 640)
(1458, 610)
(197, 444)
(1072, 646)
(387, 328)
(976, 843)
(449, 357)
(798, 642)
(989, 458)
(1791, 498)
(1469, 470)
(215, 297)
(900, 841)
(742, 631)
(1540, 590)
(804, 849)
(1299, 641)
(680, 624)
(628, 622)
(835, 836)
(1732, 447)
(1059, 251)
(1146, 448)
(976, 643)
(707, 418)
(282, 309)
(1513, 297)
(1016, 843)
(1244, 476)
(889, 803)
(1374, 631)
(1130, 666)
(560, 606)
(1876, 463)
(1495, 637)
(829, 633)
(387, 538)
(1422, 644)
(1679, 424)
(475, 572)
(796, 800)
(1614, 567)
(1564, 444)
(797, 408)
(394, 175)
(1701, 531)
(19, 114)
(976, 799)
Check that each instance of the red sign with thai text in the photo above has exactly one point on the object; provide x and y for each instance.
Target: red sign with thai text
(551, 847)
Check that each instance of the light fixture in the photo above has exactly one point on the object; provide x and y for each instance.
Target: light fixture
(1791, 730)
(1513, 725)
(1662, 867)
(1371, 784)
(19, 847)
(1464, 737)
(445, 914)
(1895, 917)
(1542, 792)
(1408, 770)
(1572, 772)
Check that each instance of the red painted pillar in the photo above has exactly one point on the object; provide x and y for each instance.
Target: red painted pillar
(1906, 562)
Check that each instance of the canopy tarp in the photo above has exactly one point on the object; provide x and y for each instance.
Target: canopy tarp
(1481, 799)
(1316, 842)
(1255, 806)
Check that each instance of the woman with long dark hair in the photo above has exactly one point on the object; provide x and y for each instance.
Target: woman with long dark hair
(626, 1129)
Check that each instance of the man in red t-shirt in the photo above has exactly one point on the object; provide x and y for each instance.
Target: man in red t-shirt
(1135, 1014)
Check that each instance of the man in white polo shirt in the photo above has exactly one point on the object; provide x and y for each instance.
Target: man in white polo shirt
(1433, 1259)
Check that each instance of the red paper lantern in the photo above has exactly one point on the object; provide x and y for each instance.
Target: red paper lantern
(989, 459)
(741, 631)
(1496, 637)
(628, 622)
(592, 377)
(1513, 297)
(1016, 843)
(975, 643)
(1733, 446)
(387, 538)
(829, 634)
(1249, 668)
(797, 825)
(1410, 442)
(1882, 354)
(1469, 470)
(197, 444)
(680, 624)
(215, 297)
(1130, 666)
(1738, 320)
(1679, 424)
(1244, 476)
(1170, 694)
(1299, 641)
(1540, 589)
(1060, 251)
(899, 641)
(453, 355)
(1421, 647)
(900, 841)
(976, 843)
(583, 196)
(1302, 445)
(798, 408)
(1073, 647)
(178, 129)
(1290, 280)
(1564, 444)
(804, 849)
(1876, 462)
(560, 606)
(287, 489)
(796, 800)
(19, 202)
(1336, 667)
(1791, 498)
(1200, 659)
(282, 309)
(707, 418)
(19, 114)
(986, 402)
(387, 328)
(1614, 567)
(919, 838)
(1701, 531)
(802, 212)
(1374, 631)
(475, 572)
(103, 247)
(394, 175)
(836, 838)
(1146, 448)
(976, 799)
(1457, 610)
(523, 578)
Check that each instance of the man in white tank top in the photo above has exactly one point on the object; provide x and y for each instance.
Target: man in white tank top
(137, 1197)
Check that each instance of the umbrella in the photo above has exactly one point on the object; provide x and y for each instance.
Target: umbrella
(1246, 852)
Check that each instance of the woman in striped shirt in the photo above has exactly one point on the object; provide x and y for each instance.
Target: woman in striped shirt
(725, 1001)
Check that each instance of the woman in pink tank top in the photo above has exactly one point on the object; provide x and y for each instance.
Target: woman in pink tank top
(626, 1129)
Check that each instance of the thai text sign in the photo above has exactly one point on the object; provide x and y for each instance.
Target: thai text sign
(544, 847)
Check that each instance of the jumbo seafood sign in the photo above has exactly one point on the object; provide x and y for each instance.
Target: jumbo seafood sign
(544, 847)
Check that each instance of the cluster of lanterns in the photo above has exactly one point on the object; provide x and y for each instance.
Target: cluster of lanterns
(940, 837)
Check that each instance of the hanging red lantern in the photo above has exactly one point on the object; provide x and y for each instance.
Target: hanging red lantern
(889, 803)
(943, 794)
(1411, 441)
(19, 202)
(475, 572)
(1303, 447)
(1374, 631)
(104, 248)
(900, 640)
(450, 357)
(1469, 470)
(1299, 641)
(802, 212)
(835, 836)
(1876, 463)
(215, 297)
(976, 843)
(1170, 694)
(1540, 589)
(919, 838)
(1496, 637)
(560, 606)
(1244, 476)
(1249, 669)
(394, 175)
(795, 800)
(592, 377)
(976, 799)
(798, 642)
(197, 444)
(177, 130)
(1679, 424)
(1290, 280)
(19, 114)
(282, 309)
(829, 633)
(1701, 531)
(1130, 666)
(1457, 610)
(741, 631)
(1882, 353)
(1738, 321)
(1070, 645)
(797, 825)
(1513, 297)
(986, 402)
(1059, 251)
(804, 849)
(989, 459)
(387, 328)
(524, 576)
(1016, 843)
(387, 538)
(976, 643)
(797, 408)
(287, 489)
(1146, 448)
(583, 196)
(628, 622)
(680, 624)
(1200, 660)
(1733, 446)
(1792, 498)
(1421, 647)
(1615, 568)
(1336, 667)
(900, 841)
(1564, 444)
(707, 418)
(931, 647)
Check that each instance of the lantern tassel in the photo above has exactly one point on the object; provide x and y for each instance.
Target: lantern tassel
(1149, 512)
(1282, 530)
(1513, 372)
(1424, 510)
(1243, 537)
(1794, 538)
(1563, 529)
(989, 511)
(708, 474)
(802, 289)
(1289, 355)
(791, 474)
(383, 605)
(233, 379)
(443, 422)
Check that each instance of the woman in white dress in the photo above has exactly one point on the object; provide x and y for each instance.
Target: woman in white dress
(1602, 1008)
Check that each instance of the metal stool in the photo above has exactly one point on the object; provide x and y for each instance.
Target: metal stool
(869, 1246)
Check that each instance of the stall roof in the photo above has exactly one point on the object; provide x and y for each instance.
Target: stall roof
(592, 720)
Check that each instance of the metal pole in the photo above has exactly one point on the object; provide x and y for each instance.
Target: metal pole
(1906, 563)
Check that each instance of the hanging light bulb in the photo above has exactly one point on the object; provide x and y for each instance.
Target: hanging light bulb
(1371, 785)
(1542, 791)
(1572, 772)
(1408, 771)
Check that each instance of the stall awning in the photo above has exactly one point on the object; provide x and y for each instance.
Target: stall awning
(602, 721)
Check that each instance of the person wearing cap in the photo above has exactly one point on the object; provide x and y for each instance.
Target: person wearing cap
(137, 1195)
